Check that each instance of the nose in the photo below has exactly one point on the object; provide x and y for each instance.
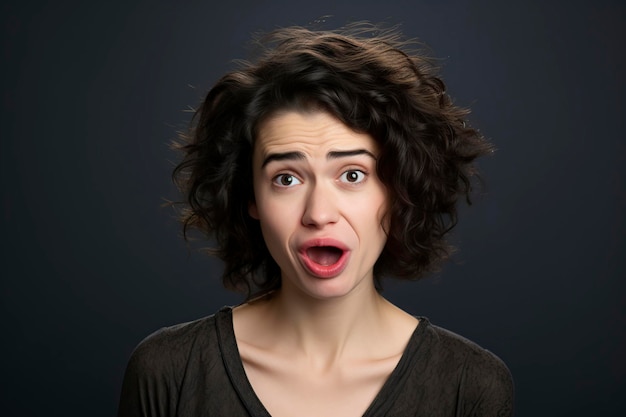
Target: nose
(320, 207)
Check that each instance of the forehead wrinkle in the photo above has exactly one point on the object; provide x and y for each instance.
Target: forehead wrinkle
(296, 136)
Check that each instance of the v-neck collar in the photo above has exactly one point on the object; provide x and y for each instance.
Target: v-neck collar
(383, 401)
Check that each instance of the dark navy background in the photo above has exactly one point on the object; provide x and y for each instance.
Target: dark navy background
(93, 92)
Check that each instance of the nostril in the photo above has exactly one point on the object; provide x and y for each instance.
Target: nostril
(319, 212)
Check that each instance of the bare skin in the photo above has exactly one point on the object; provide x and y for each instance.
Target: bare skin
(326, 342)
(324, 360)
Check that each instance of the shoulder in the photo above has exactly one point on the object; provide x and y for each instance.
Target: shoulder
(174, 342)
(485, 382)
(469, 352)
(158, 365)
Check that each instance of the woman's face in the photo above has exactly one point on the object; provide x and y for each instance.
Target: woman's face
(319, 201)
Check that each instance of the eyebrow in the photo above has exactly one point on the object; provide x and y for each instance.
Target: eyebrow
(343, 154)
(296, 156)
(285, 156)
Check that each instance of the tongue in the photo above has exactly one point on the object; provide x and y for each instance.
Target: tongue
(324, 255)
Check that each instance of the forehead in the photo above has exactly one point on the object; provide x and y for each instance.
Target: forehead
(311, 133)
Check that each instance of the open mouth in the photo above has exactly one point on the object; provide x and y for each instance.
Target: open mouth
(324, 255)
(324, 258)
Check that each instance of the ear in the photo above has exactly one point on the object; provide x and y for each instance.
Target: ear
(253, 211)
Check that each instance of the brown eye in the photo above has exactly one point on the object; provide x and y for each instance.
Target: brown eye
(353, 176)
(286, 180)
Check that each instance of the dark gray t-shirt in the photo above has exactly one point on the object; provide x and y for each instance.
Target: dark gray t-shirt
(194, 369)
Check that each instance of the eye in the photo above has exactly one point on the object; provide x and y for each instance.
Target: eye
(286, 180)
(353, 176)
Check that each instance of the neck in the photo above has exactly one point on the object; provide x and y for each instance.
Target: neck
(324, 333)
(325, 330)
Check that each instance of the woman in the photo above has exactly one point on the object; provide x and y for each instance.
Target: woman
(333, 160)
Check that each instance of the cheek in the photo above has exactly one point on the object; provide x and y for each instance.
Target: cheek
(276, 235)
(384, 218)
(372, 221)
(276, 221)
(382, 214)
(378, 205)
(379, 221)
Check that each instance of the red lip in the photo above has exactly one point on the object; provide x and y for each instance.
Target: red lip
(320, 270)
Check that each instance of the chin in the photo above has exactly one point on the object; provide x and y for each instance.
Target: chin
(330, 288)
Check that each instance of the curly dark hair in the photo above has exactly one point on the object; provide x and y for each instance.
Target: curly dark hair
(369, 81)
